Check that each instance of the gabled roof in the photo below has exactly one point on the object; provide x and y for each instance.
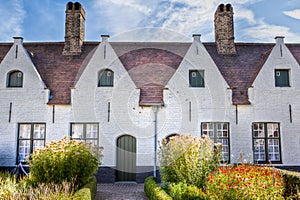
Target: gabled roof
(4, 48)
(240, 70)
(59, 72)
(150, 65)
(295, 50)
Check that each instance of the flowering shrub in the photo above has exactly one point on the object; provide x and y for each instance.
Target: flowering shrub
(245, 182)
(64, 160)
(187, 159)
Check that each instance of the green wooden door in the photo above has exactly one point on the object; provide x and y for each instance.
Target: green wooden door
(126, 158)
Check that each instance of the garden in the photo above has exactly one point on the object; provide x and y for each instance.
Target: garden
(190, 169)
(64, 169)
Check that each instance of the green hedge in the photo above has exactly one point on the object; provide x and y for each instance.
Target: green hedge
(92, 186)
(88, 191)
(291, 183)
(82, 194)
(154, 191)
(179, 191)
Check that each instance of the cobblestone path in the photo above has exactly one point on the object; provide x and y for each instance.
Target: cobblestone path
(121, 191)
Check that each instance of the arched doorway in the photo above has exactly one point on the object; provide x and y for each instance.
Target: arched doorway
(126, 158)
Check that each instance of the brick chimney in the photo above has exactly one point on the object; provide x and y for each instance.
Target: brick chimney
(74, 29)
(224, 30)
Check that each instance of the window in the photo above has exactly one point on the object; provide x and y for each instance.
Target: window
(106, 78)
(282, 78)
(219, 133)
(30, 136)
(266, 142)
(196, 78)
(15, 79)
(88, 132)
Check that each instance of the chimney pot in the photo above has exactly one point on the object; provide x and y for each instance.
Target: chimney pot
(197, 37)
(104, 38)
(279, 39)
(18, 40)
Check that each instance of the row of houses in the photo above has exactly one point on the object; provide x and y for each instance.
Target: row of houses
(128, 96)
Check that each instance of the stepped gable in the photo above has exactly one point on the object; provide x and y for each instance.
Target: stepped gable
(58, 71)
(241, 69)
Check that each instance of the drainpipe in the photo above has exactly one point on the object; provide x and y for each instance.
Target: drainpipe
(155, 110)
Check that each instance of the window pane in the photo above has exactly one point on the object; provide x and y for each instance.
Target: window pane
(38, 144)
(259, 150)
(258, 130)
(273, 130)
(39, 131)
(106, 78)
(208, 129)
(77, 131)
(273, 148)
(15, 79)
(25, 130)
(282, 78)
(94, 142)
(92, 131)
(225, 148)
(222, 130)
(196, 78)
(219, 133)
(24, 149)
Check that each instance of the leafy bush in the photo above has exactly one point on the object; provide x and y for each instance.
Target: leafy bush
(188, 159)
(187, 192)
(153, 191)
(292, 184)
(245, 182)
(64, 160)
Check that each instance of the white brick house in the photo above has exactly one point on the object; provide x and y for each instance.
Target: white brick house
(119, 95)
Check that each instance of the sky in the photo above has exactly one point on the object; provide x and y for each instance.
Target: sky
(150, 20)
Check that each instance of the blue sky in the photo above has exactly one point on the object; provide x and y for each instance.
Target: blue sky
(154, 20)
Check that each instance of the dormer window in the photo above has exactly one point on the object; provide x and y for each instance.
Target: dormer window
(196, 78)
(15, 79)
(282, 78)
(106, 78)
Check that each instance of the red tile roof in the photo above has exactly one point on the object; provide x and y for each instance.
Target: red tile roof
(59, 72)
(241, 69)
(150, 65)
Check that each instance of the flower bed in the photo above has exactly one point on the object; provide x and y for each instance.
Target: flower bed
(246, 182)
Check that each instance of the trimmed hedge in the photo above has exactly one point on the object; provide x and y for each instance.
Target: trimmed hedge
(88, 191)
(291, 184)
(154, 191)
(82, 194)
(179, 191)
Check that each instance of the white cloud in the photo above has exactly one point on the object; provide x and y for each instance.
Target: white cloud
(264, 32)
(11, 19)
(132, 4)
(293, 13)
(182, 17)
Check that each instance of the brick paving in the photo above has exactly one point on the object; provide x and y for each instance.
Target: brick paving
(121, 191)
